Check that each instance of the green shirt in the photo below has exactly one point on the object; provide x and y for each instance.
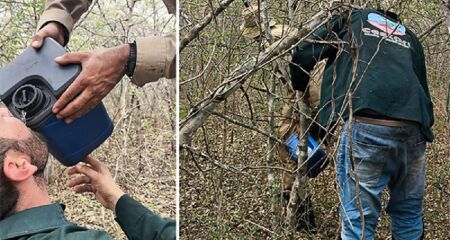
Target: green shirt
(48, 222)
(390, 72)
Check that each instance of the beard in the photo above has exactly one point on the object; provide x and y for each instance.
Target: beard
(9, 195)
(36, 148)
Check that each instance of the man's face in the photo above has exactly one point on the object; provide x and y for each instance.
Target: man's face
(16, 136)
(11, 127)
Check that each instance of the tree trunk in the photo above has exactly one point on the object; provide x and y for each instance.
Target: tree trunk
(298, 214)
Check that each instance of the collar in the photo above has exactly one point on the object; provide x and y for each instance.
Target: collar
(33, 220)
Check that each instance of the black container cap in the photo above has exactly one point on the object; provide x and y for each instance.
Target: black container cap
(29, 98)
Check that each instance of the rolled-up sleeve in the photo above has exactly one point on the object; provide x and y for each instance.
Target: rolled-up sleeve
(156, 58)
(171, 6)
(66, 12)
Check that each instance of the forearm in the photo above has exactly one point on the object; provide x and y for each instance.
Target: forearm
(309, 53)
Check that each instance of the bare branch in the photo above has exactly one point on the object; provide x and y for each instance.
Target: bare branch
(195, 31)
(235, 80)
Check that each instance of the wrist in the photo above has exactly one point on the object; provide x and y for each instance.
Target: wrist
(124, 53)
(115, 199)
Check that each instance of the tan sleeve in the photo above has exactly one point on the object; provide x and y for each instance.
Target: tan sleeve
(66, 12)
(156, 58)
(171, 6)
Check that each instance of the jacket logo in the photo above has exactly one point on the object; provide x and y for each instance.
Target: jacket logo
(385, 36)
(386, 25)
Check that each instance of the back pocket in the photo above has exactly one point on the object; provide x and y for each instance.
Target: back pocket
(370, 158)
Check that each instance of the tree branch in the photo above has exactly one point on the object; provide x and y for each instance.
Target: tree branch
(195, 31)
(234, 81)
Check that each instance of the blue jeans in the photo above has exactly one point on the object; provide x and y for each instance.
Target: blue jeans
(392, 157)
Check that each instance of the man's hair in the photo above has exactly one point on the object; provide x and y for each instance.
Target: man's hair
(390, 14)
(36, 148)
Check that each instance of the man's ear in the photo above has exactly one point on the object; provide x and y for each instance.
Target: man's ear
(17, 166)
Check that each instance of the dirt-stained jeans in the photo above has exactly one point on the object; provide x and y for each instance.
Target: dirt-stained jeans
(392, 157)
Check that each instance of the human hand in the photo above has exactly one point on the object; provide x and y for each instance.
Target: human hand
(101, 71)
(52, 29)
(96, 178)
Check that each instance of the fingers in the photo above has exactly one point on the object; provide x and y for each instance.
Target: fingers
(96, 164)
(71, 58)
(78, 181)
(79, 107)
(85, 170)
(75, 105)
(53, 30)
(72, 170)
(72, 91)
(37, 41)
(84, 188)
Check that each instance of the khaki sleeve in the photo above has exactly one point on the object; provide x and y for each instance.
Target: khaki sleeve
(171, 6)
(66, 12)
(156, 58)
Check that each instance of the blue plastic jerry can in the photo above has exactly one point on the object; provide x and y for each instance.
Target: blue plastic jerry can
(30, 86)
(317, 158)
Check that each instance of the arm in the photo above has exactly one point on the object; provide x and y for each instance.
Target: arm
(63, 13)
(140, 223)
(102, 69)
(307, 54)
(135, 220)
(156, 58)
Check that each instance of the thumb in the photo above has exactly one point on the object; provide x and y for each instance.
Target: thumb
(70, 58)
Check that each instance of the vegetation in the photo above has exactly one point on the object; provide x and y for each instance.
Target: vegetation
(226, 191)
(141, 152)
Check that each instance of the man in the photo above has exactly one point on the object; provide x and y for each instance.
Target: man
(26, 211)
(145, 60)
(376, 75)
(253, 28)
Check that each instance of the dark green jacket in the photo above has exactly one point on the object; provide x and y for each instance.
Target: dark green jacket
(48, 222)
(390, 75)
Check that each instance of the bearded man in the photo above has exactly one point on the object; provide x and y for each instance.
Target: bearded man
(26, 211)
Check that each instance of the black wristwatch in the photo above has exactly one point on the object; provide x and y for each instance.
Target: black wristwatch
(131, 63)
